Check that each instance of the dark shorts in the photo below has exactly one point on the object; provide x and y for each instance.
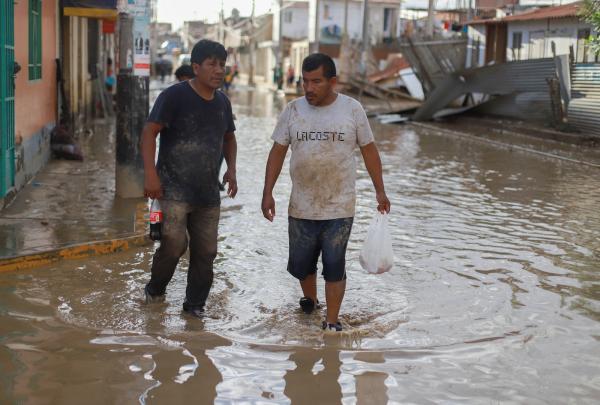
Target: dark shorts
(311, 238)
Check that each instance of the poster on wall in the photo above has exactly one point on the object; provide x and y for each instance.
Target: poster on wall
(140, 10)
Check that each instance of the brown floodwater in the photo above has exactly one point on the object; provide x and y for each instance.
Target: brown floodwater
(494, 297)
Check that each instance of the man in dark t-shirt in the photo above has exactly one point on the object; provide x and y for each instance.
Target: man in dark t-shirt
(195, 122)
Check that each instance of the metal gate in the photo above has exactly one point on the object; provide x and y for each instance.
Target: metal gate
(7, 97)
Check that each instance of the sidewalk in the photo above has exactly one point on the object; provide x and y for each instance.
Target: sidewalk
(70, 209)
(577, 148)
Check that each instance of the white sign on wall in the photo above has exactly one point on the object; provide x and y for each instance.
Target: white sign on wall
(140, 10)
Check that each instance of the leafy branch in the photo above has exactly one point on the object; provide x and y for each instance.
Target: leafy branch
(590, 12)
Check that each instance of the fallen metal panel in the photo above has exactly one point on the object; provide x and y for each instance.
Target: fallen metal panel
(446, 112)
(584, 108)
(432, 61)
(525, 82)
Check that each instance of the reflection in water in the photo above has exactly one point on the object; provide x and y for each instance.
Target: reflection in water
(371, 389)
(186, 374)
(315, 378)
(370, 385)
(494, 297)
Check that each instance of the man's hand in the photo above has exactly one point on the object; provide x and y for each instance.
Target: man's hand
(373, 165)
(268, 206)
(274, 164)
(383, 204)
(230, 179)
(152, 186)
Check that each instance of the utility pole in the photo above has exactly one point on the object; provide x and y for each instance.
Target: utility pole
(132, 111)
(346, 17)
(365, 45)
(317, 27)
(470, 11)
(430, 19)
(280, 34)
(345, 58)
(365, 32)
(251, 46)
(221, 24)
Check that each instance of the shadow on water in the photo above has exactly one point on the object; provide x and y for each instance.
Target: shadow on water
(494, 296)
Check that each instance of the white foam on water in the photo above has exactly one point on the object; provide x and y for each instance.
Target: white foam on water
(136, 340)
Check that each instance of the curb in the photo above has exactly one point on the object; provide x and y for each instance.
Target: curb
(78, 251)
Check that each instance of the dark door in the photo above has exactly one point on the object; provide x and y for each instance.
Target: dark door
(490, 43)
(501, 42)
(7, 97)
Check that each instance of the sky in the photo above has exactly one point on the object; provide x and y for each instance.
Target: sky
(178, 11)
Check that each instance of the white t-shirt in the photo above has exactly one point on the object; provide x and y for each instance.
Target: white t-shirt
(322, 167)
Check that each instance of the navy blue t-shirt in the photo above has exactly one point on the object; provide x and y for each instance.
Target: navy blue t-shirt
(191, 143)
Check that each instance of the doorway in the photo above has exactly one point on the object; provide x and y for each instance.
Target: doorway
(7, 97)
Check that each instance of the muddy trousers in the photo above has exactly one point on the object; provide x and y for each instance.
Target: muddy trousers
(201, 224)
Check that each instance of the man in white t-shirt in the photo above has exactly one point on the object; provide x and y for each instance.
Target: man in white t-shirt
(323, 129)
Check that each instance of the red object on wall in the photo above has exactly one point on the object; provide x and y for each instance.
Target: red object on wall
(108, 27)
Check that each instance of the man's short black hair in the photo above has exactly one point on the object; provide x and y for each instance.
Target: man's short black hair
(316, 60)
(184, 71)
(206, 49)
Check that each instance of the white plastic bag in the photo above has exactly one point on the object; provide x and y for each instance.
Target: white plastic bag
(377, 255)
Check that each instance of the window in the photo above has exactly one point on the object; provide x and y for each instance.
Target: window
(475, 53)
(35, 39)
(387, 14)
(582, 46)
(517, 44)
(287, 17)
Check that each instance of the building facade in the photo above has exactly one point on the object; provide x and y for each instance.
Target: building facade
(28, 91)
(330, 19)
(535, 34)
(40, 41)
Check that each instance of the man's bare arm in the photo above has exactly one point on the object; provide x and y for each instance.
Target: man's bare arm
(373, 164)
(230, 154)
(152, 186)
(274, 165)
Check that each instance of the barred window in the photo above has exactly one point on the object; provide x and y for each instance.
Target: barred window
(35, 39)
(517, 44)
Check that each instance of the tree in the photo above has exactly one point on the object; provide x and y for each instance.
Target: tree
(590, 12)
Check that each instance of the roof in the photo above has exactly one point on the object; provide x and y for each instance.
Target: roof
(396, 2)
(295, 4)
(546, 13)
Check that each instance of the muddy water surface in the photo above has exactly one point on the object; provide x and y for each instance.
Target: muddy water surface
(494, 298)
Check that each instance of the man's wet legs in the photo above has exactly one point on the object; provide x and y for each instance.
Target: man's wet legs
(203, 224)
(309, 286)
(173, 245)
(334, 295)
(334, 242)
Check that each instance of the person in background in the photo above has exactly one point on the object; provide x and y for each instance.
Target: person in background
(184, 73)
(278, 76)
(228, 80)
(291, 75)
(109, 81)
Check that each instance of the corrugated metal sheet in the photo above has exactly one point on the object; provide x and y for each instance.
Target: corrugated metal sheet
(519, 89)
(432, 61)
(584, 108)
